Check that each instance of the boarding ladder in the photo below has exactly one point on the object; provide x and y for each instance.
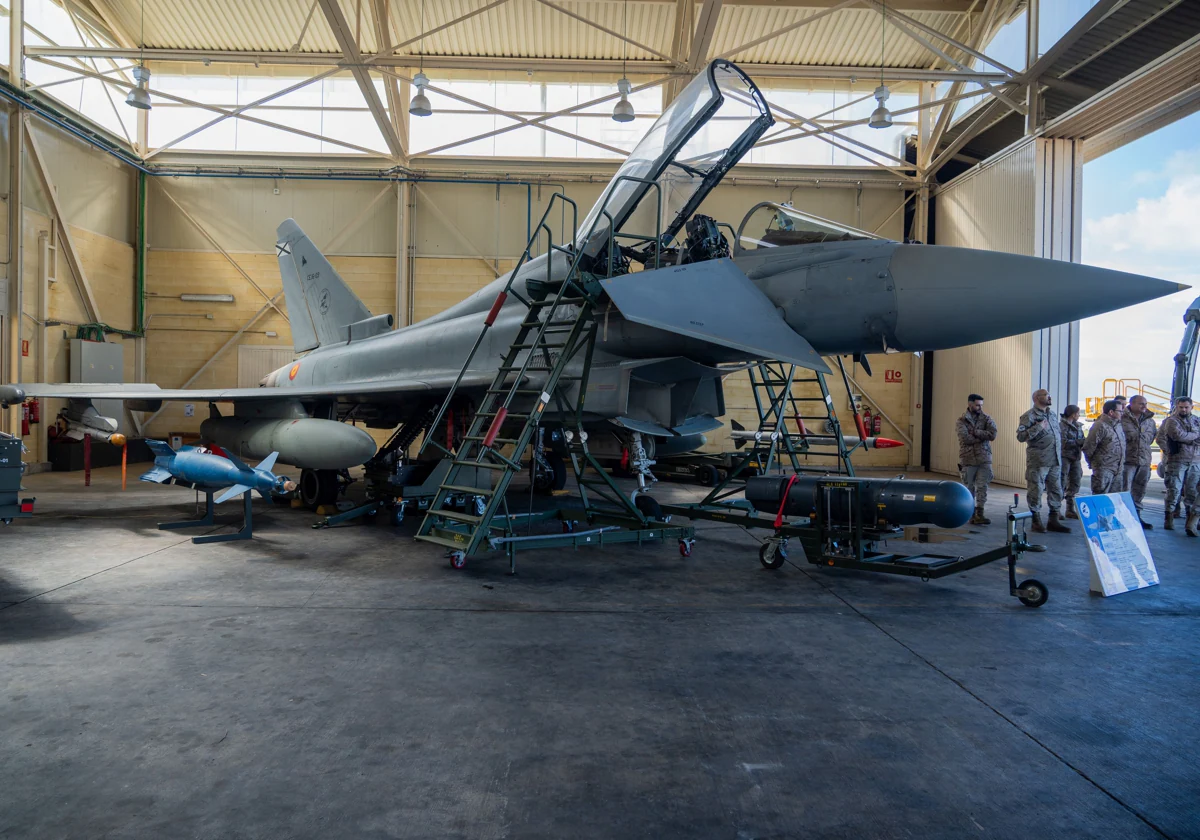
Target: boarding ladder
(553, 347)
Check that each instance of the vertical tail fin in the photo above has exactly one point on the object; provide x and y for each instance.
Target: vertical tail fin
(320, 304)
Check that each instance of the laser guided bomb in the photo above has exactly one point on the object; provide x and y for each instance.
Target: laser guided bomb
(208, 471)
(874, 502)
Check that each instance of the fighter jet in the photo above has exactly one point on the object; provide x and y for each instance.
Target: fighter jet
(790, 287)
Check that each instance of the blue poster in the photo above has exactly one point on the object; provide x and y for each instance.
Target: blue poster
(1121, 560)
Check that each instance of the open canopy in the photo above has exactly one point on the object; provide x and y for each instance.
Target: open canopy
(687, 152)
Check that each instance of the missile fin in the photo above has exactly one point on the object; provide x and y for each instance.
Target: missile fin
(237, 462)
(268, 463)
(235, 490)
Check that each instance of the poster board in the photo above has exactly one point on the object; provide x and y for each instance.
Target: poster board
(1121, 560)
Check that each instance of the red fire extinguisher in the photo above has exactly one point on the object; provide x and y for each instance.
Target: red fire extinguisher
(35, 411)
(24, 419)
(866, 420)
(878, 423)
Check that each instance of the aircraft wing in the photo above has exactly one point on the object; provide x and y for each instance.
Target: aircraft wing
(367, 391)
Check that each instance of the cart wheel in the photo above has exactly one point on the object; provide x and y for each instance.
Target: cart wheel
(6, 521)
(707, 475)
(649, 507)
(458, 560)
(685, 547)
(480, 505)
(1032, 593)
(371, 515)
(568, 526)
(772, 555)
(398, 515)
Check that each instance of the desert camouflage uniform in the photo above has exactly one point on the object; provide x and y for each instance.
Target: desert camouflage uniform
(1043, 457)
(1179, 438)
(975, 436)
(1139, 436)
(1072, 459)
(1105, 452)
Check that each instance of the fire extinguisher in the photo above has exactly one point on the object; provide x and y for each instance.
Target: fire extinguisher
(878, 424)
(866, 420)
(24, 419)
(35, 411)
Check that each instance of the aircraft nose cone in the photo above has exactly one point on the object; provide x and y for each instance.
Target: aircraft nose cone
(948, 297)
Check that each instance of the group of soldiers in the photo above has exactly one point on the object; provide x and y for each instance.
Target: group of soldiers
(1117, 448)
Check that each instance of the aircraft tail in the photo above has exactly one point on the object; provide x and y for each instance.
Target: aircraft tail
(320, 305)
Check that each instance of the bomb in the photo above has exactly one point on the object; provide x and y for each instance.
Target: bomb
(878, 502)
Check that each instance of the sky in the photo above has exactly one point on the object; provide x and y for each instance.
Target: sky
(1141, 213)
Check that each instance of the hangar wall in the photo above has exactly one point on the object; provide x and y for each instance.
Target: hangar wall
(1025, 200)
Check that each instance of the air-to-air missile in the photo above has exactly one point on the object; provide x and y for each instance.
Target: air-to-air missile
(82, 420)
(207, 471)
(789, 287)
(741, 436)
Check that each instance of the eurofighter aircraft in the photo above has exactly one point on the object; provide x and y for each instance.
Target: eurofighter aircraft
(790, 287)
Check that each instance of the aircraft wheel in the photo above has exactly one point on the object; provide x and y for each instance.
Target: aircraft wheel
(771, 555)
(458, 560)
(318, 487)
(552, 476)
(1032, 593)
(649, 507)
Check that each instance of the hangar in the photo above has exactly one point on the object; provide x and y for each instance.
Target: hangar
(339, 680)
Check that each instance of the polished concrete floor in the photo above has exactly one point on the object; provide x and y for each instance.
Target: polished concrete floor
(348, 683)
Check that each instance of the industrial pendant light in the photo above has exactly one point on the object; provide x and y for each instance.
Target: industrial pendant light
(419, 106)
(881, 117)
(623, 110)
(139, 96)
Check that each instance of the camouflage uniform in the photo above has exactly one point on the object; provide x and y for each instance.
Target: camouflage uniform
(1139, 436)
(975, 436)
(1039, 428)
(1179, 438)
(1105, 452)
(1072, 465)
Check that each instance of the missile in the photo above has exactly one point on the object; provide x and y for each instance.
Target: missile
(883, 502)
(306, 442)
(82, 420)
(204, 470)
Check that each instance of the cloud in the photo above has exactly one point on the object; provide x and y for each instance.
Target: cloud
(1159, 238)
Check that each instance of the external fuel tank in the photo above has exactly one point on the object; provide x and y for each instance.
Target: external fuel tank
(881, 502)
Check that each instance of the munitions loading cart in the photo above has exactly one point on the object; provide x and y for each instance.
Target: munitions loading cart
(12, 505)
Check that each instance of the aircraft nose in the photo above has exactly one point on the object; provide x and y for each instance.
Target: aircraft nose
(948, 297)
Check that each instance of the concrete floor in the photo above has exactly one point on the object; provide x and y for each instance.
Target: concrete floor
(348, 683)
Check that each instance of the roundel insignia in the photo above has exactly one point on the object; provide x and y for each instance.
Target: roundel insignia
(295, 369)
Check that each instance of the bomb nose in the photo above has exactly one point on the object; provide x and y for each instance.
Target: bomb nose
(948, 297)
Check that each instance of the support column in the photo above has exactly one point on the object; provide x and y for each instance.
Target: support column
(1033, 99)
(10, 352)
(1057, 235)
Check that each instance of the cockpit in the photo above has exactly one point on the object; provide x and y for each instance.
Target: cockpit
(772, 225)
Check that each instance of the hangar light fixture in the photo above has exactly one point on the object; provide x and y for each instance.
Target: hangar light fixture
(623, 110)
(419, 106)
(139, 96)
(196, 298)
(881, 117)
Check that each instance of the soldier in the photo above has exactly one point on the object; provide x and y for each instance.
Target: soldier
(1105, 450)
(1039, 428)
(1179, 437)
(976, 431)
(1139, 427)
(1072, 453)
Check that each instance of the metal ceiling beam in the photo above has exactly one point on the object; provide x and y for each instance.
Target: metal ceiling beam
(949, 6)
(349, 47)
(706, 27)
(442, 26)
(1090, 18)
(549, 65)
(608, 31)
(113, 23)
(395, 101)
(784, 30)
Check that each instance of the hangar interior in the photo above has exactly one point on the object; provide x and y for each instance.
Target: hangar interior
(156, 229)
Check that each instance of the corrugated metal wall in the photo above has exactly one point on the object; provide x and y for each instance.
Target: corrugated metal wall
(990, 207)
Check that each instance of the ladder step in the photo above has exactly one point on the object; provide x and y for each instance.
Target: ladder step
(508, 417)
(455, 516)
(442, 541)
(477, 491)
(498, 440)
(567, 301)
(535, 346)
(485, 465)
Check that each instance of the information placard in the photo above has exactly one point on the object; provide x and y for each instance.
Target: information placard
(1121, 560)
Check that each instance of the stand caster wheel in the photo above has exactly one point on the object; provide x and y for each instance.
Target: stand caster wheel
(772, 555)
(458, 560)
(370, 516)
(480, 505)
(568, 526)
(685, 547)
(398, 515)
(1032, 593)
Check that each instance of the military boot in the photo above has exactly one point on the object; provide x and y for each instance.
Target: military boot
(1038, 527)
(1055, 525)
(1146, 526)
(1193, 523)
(1169, 521)
(979, 518)
(1071, 513)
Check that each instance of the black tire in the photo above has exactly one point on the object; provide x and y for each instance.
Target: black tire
(771, 556)
(318, 487)
(546, 481)
(649, 507)
(707, 475)
(1033, 593)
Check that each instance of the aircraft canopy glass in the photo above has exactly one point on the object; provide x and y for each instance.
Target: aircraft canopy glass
(686, 151)
(771, 225)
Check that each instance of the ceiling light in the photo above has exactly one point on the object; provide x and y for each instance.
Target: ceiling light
(195, 298)
(623, 110)
(881, 117)
(138, 96)
(420, 107)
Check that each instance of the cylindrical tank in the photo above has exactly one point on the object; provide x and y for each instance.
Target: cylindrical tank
(882, 502)
(308, 442)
